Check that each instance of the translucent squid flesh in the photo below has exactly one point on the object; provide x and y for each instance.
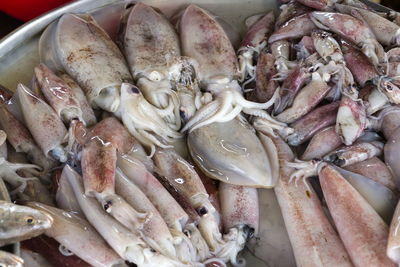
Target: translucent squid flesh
(373, 98)
(318, 4)
(183, 178)
(78, 236)
(240, 217)
(228, 155)
(81, 45)
(203, 39)
(307, 126)
(58, 94)
(21, 222)
(391, 154)
(363, 232)
(305, 100)
(305, 220)
(150, 43)
(355, 153)
(98, 168)
(389, 121)
(33, 259)
(127, 244)
(376, 170)
(323, 142)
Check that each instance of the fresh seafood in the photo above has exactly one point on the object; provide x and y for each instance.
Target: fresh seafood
(77, 236)
(21, 222)
(182, 146)
(79, 44)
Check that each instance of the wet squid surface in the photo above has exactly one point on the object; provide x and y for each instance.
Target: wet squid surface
(169, 143)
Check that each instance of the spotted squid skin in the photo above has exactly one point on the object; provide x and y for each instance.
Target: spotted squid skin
(363, 232)
(306, 231)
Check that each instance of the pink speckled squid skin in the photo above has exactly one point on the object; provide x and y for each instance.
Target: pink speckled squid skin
(239, 206)
(204, 40)
(362, 230)
(314, 240)
(46, 127)
(98, 167)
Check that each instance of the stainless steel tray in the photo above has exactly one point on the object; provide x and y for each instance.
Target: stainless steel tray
(19, 49)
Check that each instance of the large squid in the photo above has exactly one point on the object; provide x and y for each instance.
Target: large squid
(205, 41)
(76, 44)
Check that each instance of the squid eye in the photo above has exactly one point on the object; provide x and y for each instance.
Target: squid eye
(130, 264)
(187, 233)
(249, 231)
(30, 220)
(135, 90)
(107, 206)
(202, 211)
(182, 114)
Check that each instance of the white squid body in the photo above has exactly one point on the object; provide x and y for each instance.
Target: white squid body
(152, 48)
(78, 236)
(127, 244)
(46, 127)
(78, 45)
(232, 153)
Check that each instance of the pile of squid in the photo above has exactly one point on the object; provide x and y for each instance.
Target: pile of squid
(165, 142)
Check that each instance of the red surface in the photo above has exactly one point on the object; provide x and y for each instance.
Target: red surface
(28, 9)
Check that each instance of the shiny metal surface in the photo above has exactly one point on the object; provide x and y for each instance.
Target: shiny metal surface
(19, 49)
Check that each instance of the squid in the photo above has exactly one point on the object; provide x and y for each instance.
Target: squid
(77, 236)
(126, 243)
(252, 45)
(154, 59)
(143, 121)
(217, 72)
(352, 29)
(43, 122)
(76, 44)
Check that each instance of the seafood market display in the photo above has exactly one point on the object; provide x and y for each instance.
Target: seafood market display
(167, 143)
